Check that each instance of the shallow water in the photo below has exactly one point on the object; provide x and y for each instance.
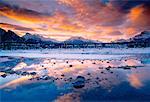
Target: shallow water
(109, 79)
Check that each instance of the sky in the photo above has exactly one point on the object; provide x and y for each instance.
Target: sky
(103, 20)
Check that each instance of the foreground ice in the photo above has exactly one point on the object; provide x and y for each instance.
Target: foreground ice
(105, 53)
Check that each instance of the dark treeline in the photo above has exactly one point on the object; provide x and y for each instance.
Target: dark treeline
(14, 45)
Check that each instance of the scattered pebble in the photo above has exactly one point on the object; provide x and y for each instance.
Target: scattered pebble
(70, 65)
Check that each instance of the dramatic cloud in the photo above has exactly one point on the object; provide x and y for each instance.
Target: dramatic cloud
(14, 27)
(20, 14)
(115, 33)
(103, 20)
(137, 20)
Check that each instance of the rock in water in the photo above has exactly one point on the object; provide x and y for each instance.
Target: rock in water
(79, 82)
(33, 73)
(70, 65)
(4, 75)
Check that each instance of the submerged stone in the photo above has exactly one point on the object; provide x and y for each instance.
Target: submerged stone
(93, 63)
(24, 73)
(70, 65)
(62, 75)
(4, 75)
(107, 68)
(33, 73)
(45, 77)
(79, 82)
(127, 67)
(88, 74)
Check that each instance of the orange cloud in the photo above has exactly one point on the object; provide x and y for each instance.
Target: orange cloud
(14, 27)
(139, 17)
(86, 18)
(137, 21)
(22, 15)
(136, 12)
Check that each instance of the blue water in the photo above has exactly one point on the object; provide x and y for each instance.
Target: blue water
(115, 84)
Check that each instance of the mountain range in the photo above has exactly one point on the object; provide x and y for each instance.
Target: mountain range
(139, 38)
(10, 36)
(142, 37)
(37, 38)
(80, 40)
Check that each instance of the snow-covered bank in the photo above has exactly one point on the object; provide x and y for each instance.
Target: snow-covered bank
(106, 53)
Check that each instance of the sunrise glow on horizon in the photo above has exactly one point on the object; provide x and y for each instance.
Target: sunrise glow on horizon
(103, 20)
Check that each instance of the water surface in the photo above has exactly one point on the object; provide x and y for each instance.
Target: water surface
(117, 78)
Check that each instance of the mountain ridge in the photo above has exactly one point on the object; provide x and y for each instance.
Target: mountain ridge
(10, 36)
(142, 36)
(38, 38)
(79, 40)
(33, 38)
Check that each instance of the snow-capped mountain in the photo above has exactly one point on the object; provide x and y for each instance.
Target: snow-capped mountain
(79, 40)
(9, 36)
(28, 36)
(142, 37)
(119, 41)
(140, 40)
(38, 38)
(145, 35)
(2, 32)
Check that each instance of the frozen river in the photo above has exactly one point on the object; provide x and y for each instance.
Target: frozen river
(106, 53)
